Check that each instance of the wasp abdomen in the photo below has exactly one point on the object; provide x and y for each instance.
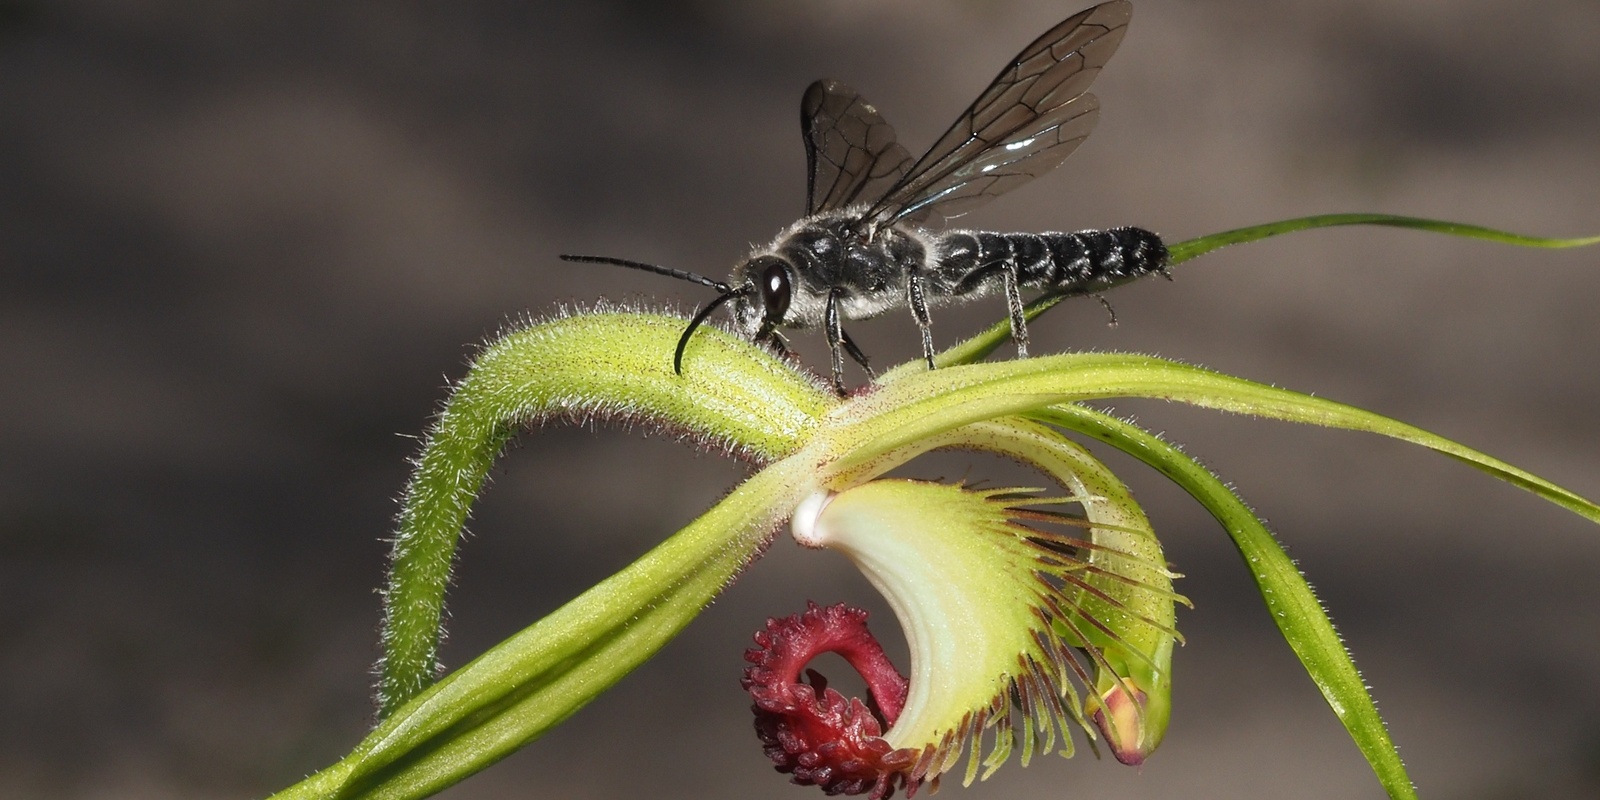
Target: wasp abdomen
(976, 261)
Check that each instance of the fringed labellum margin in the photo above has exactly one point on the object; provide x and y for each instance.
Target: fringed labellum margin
(1001, 618)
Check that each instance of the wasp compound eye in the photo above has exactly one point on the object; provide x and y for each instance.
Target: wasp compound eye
(775, 292)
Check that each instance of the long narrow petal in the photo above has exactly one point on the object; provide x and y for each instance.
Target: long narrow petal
(1290, 601)
(928, 404)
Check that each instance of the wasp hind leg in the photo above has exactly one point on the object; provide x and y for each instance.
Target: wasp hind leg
(1019, 319)
(919, 312)
(1111, 313)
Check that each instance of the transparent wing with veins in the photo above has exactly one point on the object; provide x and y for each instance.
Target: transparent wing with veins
(851, 152)
(1030, 119)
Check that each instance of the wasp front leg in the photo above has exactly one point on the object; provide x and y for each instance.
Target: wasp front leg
(779, 345)
(856, 354)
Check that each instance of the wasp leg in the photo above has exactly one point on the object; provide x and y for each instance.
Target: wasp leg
(919, 312)
(835, 334)
(769, 335)
(1019, 322)
(778, 344)
(855, 352)
(1111, 313)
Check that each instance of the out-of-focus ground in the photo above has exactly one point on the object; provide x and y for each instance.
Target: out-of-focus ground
(243, 246)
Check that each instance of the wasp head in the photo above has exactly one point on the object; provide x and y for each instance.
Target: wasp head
(763, 287)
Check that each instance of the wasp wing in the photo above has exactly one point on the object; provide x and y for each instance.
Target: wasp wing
(851, 152)
(1031, 117)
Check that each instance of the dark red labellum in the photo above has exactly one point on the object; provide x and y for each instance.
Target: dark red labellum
(813, 732)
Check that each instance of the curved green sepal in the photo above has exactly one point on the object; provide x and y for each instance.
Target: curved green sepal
(589, 366)
(1123, 597)
(925, 404)
(522, 687)
(1290, 601)
(979, 597)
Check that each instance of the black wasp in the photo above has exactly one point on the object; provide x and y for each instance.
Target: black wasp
(860, 249)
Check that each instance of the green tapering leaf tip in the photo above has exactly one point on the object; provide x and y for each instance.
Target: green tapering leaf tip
(1001, 613)
(1185, 250)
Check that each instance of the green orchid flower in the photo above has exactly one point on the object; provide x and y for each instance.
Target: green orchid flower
(1033, 615)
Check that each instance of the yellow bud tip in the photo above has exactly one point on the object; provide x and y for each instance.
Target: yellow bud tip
(1124, 728)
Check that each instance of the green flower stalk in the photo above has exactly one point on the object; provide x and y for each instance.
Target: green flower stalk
(1030, 613)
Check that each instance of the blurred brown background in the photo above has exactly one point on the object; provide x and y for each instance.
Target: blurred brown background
(243, 246)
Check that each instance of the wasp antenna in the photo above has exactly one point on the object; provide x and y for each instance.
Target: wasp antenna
(682, 275)
(699, 317)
